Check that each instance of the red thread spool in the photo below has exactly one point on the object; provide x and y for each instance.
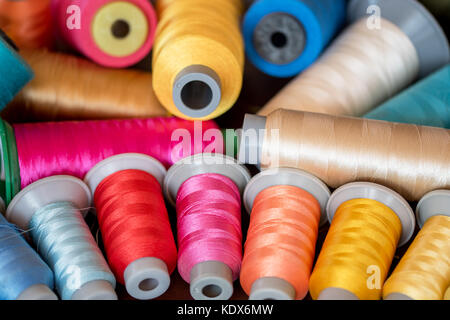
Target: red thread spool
(134, 222)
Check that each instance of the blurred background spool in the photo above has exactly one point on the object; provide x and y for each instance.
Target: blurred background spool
(15, 73)
(372, 60)
(206, 190)
(51, 210)
(27, 22)
(368, 222)
(425, 103)
(198, 57)
(286, 207)
(112, 33)
(409, 159)
(23, 276)
(66, 87)
(424, 270)
(37, 150)
(134, 222)
(282, 38)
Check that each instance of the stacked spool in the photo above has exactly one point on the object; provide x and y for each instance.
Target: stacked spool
(134, 222)
(114, 34)
(209, 219)
(402, 42)
(198, 57)
(51, 209)
(37, 150)
(283, 38)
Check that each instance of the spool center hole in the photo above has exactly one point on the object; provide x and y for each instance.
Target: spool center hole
(278, 39)
(148, 284)
(120, 29)
(196, 95)
(212, 291)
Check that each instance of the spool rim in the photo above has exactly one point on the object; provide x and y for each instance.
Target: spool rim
(257, 123)
(201, 74)
(203, 163)
(292, 177)
(433, 51)
(124, 161)
(433, 203)
(377, 192)
(44, 192)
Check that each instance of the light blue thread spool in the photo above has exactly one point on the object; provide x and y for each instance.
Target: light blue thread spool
(49, 209)
(23, 274)
(14, 72)
(284, 37)
(425, 103)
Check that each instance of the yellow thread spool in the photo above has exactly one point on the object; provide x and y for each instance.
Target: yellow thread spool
(121, 42)
(424, 271)
(368, 221)
(198, 57)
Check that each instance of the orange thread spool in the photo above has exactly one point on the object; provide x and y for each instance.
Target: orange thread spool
(280, 247)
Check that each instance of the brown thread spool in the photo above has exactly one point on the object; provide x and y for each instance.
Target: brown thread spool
(409, 159)
(66, 87)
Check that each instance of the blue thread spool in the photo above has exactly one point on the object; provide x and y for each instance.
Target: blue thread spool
(23, 274)
(51, 209)
(284, 37)
(14, 71)
(425, 103)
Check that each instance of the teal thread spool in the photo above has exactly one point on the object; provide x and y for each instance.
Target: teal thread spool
(425, 103)
(14, 71)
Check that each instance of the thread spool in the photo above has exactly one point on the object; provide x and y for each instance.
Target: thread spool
(409, 159)
(198, 58)
(276, 282)
(14, 70)
(37, 150)
(401, 41)
(29, 278)
(28, 22)
(22, 211)
(283, 38)
(66, 87)
(145, 273)
(353, 257)
(209, 279)
(114, 34)
(427, 258)
(425, 103)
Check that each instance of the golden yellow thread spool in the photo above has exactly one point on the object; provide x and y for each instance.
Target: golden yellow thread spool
(368, 221)
(121, 42)
(424, 271)
(198, 57)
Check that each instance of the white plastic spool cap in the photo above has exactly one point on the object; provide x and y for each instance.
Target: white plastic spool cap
(95, 290)
(148, 277)
(432, 204)
(197, 91)
(210, 279)
(251, 139)
(272, 288)
(37, 292)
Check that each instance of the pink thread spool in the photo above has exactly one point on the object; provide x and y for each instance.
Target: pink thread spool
(111, 33)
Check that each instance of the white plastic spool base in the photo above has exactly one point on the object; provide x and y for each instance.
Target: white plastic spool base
(37, 292)
(148, 277)
(211, 280)
(272, 288)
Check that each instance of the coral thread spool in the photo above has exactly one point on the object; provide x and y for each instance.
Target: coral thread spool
(33, 279)
(342, 286)
(282, 38)
(15, 72)
(275, 284)
(55, 189)
(145, 277)
(112, 33)
(209, 279)
(424, 270)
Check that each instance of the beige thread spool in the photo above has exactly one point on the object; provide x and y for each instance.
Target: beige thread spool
(369, 62)
(409, 159)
